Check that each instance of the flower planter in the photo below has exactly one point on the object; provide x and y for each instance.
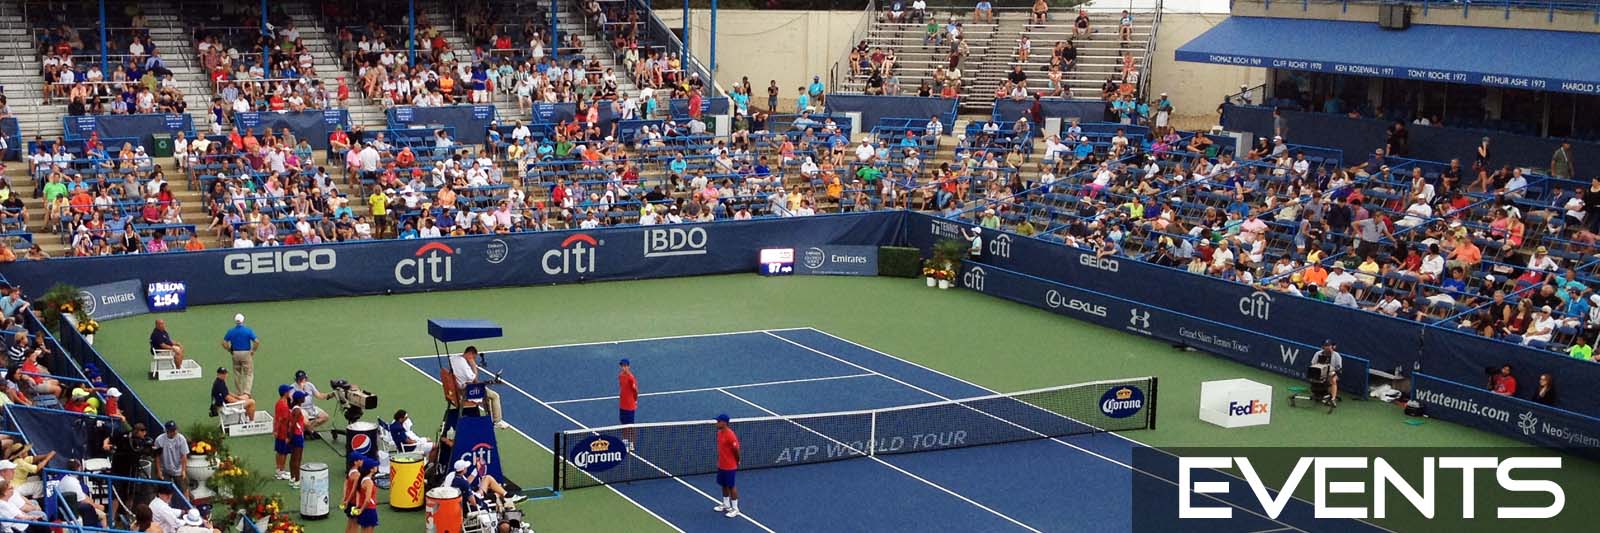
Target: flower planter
(944, 284)
(200, 469)
(932, 282)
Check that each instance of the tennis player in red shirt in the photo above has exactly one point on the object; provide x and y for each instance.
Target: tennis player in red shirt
(627, 400)
(727, 467)
(628, 393)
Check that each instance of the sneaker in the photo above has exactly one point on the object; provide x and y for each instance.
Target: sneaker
(502, 425)
(629, 444)
(281, 475)
(720, 509)
(732, 513)
(514, 498)
(295, 484)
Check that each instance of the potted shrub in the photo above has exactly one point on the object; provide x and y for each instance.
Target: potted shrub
(947, 255)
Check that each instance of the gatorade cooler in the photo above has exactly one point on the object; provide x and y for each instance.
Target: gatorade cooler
(314, 491)
(444, 510)
(360, 438)
(406, 488)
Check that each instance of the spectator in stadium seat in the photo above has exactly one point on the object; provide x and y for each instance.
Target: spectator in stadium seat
(984, 12)
(1503, 382)
(1080, 25)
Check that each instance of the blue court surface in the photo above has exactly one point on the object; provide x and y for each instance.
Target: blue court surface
(1078, 483)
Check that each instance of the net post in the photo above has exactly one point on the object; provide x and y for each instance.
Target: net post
(1151, 413)
(872, 436)
(555, 452)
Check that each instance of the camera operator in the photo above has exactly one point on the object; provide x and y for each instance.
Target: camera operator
(315, 416)
(1329, 355)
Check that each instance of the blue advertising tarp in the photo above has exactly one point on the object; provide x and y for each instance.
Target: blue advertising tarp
(471, 122)
(873, 108)
(1008, 110)
(836, 260)
(1528, 421)
(553, 113)
(1465, 357)
(141, 127)
(53, 430)
(114, 300)
(312, 125)
(1265, 352)
(376, 267)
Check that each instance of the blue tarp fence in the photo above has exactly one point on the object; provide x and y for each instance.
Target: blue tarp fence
(1358, 137)
(1007, 110)
(1517, 418)
(12, 131)
(553, 113)
(142, 127)
(1392, 345)
(471, 122)
(873, 108)
(55, 430)
(1262, 351)
(375, 267)
(311, 125)
(133, 408)
(679, 107)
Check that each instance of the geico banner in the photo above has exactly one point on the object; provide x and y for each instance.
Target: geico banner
(1280, 356)
(376, 267)
(1389, 343)
(1477, 407)
(836, 260)
(1465, 357)
(117, 299)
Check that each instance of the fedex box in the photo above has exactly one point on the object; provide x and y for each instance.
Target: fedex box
(1233, 403)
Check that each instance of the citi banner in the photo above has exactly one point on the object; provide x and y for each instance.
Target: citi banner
(1280, 356)
(117, 299)
(836, 260)
(377, 267)
(1517, 418)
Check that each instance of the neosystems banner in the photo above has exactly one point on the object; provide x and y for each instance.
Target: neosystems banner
(1519, 419)
(1258, 350)
(377, 267)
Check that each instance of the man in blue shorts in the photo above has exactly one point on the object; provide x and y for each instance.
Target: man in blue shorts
(727, 467)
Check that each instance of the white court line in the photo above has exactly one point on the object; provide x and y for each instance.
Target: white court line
(624, 341)
(713, 389)
(547, 449)
(1057, 440)
(886, 463)
(1270, 530)
(680, 480)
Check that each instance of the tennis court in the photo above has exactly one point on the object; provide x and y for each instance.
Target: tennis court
(1070, 483)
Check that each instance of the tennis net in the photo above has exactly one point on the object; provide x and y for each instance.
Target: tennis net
(617, 454)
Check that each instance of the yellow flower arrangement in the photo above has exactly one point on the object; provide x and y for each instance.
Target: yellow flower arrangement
(202, 448)
(89, 327)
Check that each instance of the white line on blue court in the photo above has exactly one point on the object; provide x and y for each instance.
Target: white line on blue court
(1056, 440)
(623, 341)
(886, 463)
(680, 480)
(547, 449)
(713, 389)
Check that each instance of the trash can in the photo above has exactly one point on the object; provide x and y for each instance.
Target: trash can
(314, 491)
(405, 472)
(444, 510)
(161, 146)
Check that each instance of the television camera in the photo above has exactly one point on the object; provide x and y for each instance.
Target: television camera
(353, 401)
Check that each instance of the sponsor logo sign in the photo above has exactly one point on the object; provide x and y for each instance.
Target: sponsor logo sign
(280, 261)
(668, 242)
(576, 255)
(598, 453)
(432, 263)
(1122, 402)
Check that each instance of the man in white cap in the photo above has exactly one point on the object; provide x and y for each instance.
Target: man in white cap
(241, 342)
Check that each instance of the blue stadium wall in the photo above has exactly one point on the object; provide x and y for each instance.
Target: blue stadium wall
(1269, 331)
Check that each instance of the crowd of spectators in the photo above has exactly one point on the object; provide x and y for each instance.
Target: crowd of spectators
(136, 78)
